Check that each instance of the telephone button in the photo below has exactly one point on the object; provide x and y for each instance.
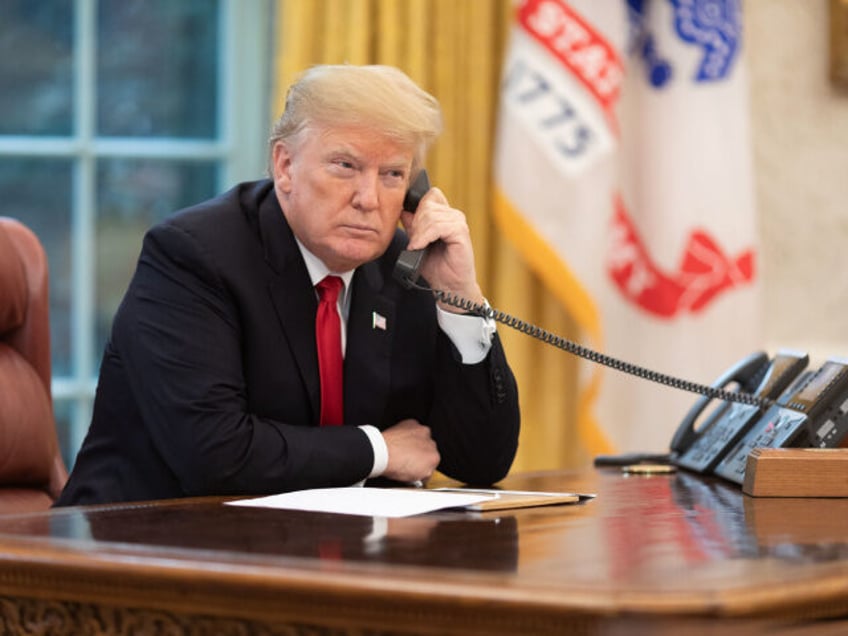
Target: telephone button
(825, 430)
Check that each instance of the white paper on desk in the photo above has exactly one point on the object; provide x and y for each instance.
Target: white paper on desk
(371, 502)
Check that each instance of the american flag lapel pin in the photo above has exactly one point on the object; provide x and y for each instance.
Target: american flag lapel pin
(378, 321)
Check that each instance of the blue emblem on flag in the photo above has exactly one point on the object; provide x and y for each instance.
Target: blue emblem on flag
(715, 26)
(643, 43)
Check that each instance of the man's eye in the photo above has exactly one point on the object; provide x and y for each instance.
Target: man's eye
(340, 164)
(394, 175)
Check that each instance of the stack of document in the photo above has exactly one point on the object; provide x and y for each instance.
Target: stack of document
(404, 502)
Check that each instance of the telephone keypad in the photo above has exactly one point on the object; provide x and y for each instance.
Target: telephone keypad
(711, 446)
(776, 430)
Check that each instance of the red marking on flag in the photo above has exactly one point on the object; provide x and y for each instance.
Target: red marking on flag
(705, 271)
(578, 45)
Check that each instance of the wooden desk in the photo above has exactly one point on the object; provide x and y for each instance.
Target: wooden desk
(654, 554)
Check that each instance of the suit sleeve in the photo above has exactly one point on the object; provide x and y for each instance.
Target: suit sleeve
(475, 417)
(179, 335)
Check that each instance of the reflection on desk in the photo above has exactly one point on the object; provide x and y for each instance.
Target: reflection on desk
(425, 540)
(659, 554)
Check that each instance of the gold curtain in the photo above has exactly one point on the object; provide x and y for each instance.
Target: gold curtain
(453, 49)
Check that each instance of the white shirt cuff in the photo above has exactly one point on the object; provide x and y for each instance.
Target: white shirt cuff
(471, 335)
(381, 451)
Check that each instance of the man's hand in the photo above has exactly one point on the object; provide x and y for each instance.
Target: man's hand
(449, 265)
(413, 454)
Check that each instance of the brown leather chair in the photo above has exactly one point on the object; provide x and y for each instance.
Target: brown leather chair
(32, 472)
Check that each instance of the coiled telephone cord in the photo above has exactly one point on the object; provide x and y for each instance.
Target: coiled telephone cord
(594, 356)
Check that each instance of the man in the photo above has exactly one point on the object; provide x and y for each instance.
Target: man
(211, 383)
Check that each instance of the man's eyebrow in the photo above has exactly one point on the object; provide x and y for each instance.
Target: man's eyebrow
(399, 163)
(340, 151)
(395, 165)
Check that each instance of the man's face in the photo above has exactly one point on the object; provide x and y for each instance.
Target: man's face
(341, 190)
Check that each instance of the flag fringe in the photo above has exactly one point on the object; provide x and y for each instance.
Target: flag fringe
(565, 287)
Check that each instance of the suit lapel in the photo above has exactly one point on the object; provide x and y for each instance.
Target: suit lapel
(370, 328)
(292, 296)
(370, 331)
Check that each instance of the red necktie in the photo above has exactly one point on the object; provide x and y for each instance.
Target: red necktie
(328, 334)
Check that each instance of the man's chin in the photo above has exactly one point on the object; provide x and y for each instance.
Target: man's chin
(352, 257)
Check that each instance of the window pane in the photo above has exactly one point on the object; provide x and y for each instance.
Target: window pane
(63, 413)
(38, 192)
(36, 67)
(156, 65)
(132, 195)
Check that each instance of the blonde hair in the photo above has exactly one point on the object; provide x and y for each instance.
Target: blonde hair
(374, 96)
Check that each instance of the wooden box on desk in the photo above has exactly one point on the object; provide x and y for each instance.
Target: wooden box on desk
(797, 472)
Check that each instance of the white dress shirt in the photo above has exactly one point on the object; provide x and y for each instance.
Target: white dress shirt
(471, 335)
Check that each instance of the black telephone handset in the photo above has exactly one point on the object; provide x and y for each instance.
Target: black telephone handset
(746, 373)
(701, 450)
(409, 262)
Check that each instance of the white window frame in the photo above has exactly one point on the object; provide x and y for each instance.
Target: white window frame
(244, 73)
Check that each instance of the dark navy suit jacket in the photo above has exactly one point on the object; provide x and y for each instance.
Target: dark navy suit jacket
(209, 382)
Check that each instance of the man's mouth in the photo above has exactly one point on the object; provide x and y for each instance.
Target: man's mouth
(360, 230)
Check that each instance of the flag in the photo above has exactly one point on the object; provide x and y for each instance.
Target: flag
(623, 172)
(378, 321)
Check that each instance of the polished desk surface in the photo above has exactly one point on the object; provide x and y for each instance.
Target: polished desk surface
(657, 552)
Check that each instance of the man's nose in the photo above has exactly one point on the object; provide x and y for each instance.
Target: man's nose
(367, 195)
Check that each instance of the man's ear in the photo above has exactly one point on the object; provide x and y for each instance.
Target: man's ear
(282, 167)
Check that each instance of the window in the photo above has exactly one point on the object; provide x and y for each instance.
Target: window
(113, 114)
